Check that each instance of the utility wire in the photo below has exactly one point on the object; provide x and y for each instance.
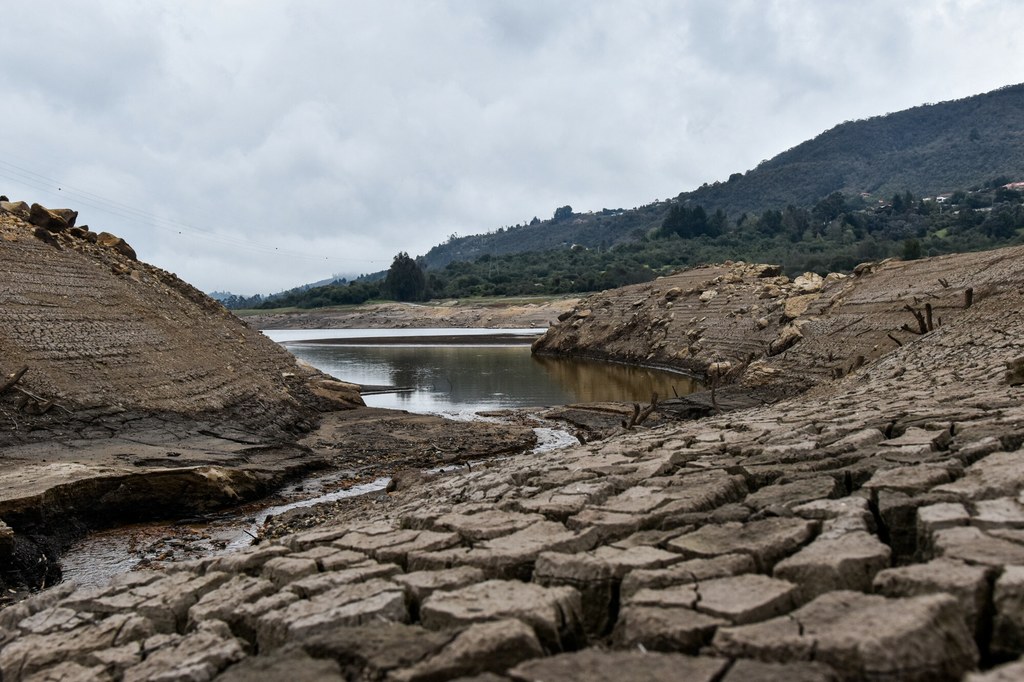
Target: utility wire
(121, 210)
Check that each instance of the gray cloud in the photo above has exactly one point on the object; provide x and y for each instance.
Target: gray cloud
(259, 145)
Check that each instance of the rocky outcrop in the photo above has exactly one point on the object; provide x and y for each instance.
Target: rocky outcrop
(780, 336)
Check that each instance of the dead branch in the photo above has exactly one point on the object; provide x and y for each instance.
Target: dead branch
(895, 340)
(928, 315)
(969, 297)
(12, 379)
(944, 283)
(647, 411)
(632, 420)
(921, 324)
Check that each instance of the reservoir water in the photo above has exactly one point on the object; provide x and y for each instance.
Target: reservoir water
(426, 375)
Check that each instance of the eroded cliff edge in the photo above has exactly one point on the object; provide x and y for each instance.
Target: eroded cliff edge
(779, 337)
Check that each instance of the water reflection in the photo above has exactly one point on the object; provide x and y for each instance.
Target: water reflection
(465, 379)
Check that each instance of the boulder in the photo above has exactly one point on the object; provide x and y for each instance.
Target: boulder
(797, 305)
(809, 283)
(788, 337)
(40, 216)
(110, 241)
(16, 208)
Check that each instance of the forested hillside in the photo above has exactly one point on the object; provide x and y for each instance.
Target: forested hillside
(935, 179)
(927, 150)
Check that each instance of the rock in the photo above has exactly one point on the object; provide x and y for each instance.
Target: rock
(555, 613)
(373, 651)
(110, 241)
(46, 219)
(864, 637)
(673, 293)
(766, 541)
(594, 665)
(746, 598)
(788, 337)
(350, 605)
(658, 628)
(686, 572)
(483, 647)
(997, 475)
(809, 283)
(596, 575)
(845, 562)
(969, 584)
(16, 208)
(974, 546)
(32, 653)
(199, 655)
(708, 296)
(66, 214)
(796, 306)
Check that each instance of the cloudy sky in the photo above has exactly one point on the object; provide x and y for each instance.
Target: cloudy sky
(254, 145)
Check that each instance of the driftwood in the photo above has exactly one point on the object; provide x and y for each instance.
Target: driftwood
(895, 340)
(640, 416)
(12, 379)
(27, 401)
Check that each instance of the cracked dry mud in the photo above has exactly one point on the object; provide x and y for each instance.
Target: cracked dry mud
(871, 528)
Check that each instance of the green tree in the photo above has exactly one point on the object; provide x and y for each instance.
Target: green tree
(405, 280)
(563, 213)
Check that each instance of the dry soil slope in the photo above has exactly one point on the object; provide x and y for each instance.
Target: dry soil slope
(779, 336)
(101, 333)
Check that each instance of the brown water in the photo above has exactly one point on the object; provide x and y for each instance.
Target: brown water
(464, 379)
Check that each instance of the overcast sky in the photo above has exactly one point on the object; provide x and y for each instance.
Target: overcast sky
(253, 146)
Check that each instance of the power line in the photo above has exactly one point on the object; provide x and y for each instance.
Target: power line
(83, 197)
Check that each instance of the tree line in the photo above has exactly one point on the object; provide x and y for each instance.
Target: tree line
(834, 234)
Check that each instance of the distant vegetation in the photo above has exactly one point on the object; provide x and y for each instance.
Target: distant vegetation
(920, 182)
(835, 234)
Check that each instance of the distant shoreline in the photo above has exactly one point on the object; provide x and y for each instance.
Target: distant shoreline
(433, 340)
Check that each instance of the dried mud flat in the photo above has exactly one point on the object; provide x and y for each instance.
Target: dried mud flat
(463, 314)
(868, 528)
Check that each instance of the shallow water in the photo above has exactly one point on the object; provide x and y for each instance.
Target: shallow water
(466, 378)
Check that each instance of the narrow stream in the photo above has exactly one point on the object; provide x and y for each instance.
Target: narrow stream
(94, 560)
